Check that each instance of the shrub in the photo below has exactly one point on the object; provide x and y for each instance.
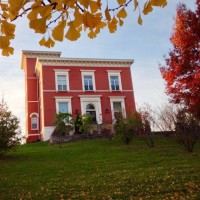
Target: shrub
(78, 123)
(187, 130)
(87, 124)
(127, 127)
(10, 133)
(63, 125)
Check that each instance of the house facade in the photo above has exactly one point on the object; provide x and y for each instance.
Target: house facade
(100, 87)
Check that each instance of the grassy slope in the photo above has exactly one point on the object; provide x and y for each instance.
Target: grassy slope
(99, 169)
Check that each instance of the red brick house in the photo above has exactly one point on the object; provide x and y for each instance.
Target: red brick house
(100, 87)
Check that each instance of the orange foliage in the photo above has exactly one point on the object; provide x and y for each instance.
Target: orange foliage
(182, 70)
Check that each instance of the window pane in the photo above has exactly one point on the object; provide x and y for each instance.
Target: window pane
(62, 82)
(64, 87)
(114, 81)
(59, 87)
(117, 106)
(88, 85)
(34, 123)
(63, 107)
(117, 109)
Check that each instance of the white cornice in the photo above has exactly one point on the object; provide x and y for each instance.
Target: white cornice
(41, 54)
(37, 54)
(86, 62)
(50, 58)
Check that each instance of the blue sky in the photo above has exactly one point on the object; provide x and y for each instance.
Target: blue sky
(145, 44)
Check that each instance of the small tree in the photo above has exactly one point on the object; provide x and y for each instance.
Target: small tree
(87, 123)
(10, 133)
(63, 125)
(127, 127)
(148, 121)
(78, 123)
(187, 130)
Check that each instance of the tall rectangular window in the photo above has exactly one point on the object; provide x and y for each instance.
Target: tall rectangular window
(88, 80)
(63, 107)
(63, 104)
(61, 82)
(114, 82)
(117, 104)
(114, 77)
(117, 109)
(88, 85)
(62, 79)
(34, 121)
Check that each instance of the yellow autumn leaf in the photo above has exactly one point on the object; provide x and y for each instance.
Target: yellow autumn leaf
(39, 25)
(147, 8)
(72, 34)
(161, 3)
(4, 6)
(140, 19)
(120, 2)
(8, 29)
(58, 31)
(50, 43)
(102, 24)
(69, 3)
(91, 34)
(4, 42)
(78, 18)
(107, 14)
(112, 25)
(122, 13)
(85, 3)
(5, 15)
(121, 22)
(42, 42)
(15, 6)
(57, 1)
(36, 5)
(79, 29)
(91, 21)
(94, 6)
(44, 11)
(7, 51)
(32, 15)
(135, 4)
(97, 30)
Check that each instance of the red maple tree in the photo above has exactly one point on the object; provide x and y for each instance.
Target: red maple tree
(182, 69)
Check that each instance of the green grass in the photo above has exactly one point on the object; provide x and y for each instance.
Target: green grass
(99, 169)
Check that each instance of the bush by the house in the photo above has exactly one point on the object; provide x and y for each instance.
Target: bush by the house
(77, 123)
(87, 124)
(63, 125)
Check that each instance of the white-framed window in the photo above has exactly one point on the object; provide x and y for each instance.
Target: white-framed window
(114, 80)
(63, 104)
(34, 121)
(117, 106)
(62, 80)
(88, 80)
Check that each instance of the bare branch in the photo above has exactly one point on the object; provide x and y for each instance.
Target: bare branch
(120, 6)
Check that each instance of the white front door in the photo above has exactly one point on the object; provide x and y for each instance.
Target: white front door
(91, 104)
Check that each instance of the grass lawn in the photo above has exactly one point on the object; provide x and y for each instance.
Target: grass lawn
(99, 169)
